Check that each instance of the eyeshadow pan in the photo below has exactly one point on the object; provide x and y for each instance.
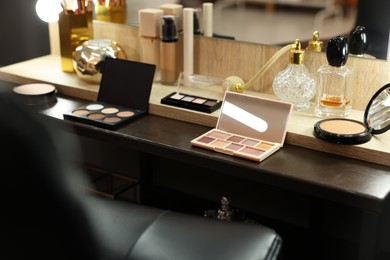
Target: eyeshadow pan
(110, 110)
(219, 135)
(81, 112)
(112, 119)
(95, 116)
(236, 139)
(210, 103)
(125, 114)
(265, 146)
(94, 106)
(205, 139)
(252, 151)
(177, 96)
(220, 143)
(250, 142)
(199, 101)
(188, 99)
(234, 147)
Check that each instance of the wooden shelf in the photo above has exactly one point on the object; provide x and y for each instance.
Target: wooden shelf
(300, 129)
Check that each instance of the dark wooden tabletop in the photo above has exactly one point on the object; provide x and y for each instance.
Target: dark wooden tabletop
(327, 176)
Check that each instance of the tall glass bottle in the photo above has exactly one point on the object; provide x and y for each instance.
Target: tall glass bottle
(334, 91)
(295, 84)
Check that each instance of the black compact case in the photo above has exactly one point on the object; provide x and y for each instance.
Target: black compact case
(123, 96)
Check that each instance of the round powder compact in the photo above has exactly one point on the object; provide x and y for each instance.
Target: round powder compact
(342, 131)
(36, 93)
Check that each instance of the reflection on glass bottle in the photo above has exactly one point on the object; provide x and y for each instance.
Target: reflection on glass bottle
(75, 27)
(358, 42)
(295, 84)
(111, 11)
(312, 53)
(334, 91)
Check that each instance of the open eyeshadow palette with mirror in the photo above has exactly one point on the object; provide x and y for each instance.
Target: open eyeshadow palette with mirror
(123, 96)
(197, 92)
(248, 126)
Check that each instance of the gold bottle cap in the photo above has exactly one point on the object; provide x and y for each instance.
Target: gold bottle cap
(315, 44)
(296, 53)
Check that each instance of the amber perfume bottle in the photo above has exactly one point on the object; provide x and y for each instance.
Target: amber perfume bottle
(334, 91)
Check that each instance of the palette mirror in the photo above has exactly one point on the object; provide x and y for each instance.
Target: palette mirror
(377, 114)
(289, 19)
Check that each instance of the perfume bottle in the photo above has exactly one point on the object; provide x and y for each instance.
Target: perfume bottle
(358, 42)
(333, 90)
(295, 84)
(312, 53)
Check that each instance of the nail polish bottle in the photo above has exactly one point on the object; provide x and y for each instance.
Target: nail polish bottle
(295, 84)
(358, 42)
(334, 90)
(169, 69)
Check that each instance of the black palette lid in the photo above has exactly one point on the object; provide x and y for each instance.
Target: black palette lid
(126, 83)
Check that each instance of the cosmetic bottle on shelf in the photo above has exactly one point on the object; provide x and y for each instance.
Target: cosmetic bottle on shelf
(358, 42)
(295, 84)
(169, 69)
(149, 35)
(334, 90)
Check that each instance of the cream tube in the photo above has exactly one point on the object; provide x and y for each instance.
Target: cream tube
(208, 19)
(188, 38)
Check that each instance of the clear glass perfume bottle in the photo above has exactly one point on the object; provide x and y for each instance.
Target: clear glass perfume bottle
(295, 84)
(333, 90)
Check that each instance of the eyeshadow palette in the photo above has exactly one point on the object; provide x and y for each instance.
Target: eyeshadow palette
(197, 103)
(249, 127)
(237, 145)
(103, 114)
(123, 95)
(192, 90)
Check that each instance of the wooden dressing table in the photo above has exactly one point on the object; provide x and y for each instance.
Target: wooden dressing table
(325, 205)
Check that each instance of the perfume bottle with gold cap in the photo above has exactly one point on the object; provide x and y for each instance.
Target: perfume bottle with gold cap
(315, 44)
(295, 84)
(313, 59)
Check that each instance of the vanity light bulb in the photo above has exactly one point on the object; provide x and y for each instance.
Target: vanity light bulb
(48, 10)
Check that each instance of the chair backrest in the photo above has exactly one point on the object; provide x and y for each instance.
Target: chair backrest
(42, 208)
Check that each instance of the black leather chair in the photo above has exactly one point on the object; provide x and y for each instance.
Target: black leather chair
(46, 213)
